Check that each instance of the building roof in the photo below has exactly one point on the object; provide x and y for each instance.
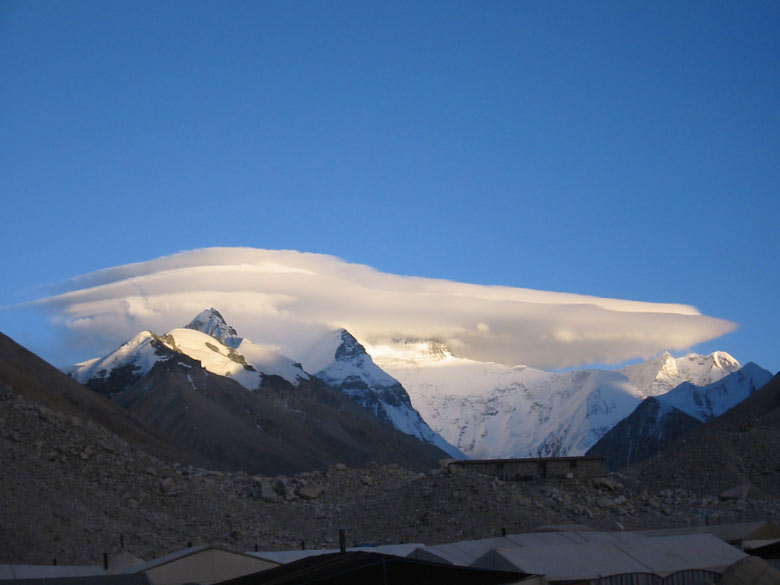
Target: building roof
(359, 567)
(661, 556)
(81, 580)
(465, 552)
(751, 570)
(288, 556)
(183, 554)
(568, 562)
(733, 533)
(49, 571)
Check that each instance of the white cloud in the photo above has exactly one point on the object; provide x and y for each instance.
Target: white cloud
(288, 299)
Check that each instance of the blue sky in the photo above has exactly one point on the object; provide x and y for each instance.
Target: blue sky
(611, 149)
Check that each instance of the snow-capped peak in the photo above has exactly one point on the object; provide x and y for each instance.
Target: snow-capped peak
(137, 355)
(211, 322)
(263, 359)
(339, 356)
(342, 362)
(659, 375)
(208, 339)
(411, 351)
(350, 348)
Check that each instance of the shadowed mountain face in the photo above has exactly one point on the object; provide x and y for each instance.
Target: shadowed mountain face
(643, 434)
(659, 420)
(738, 447)
(275, 429)
(343, 363)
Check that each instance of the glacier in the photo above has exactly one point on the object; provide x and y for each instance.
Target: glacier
(489, 410)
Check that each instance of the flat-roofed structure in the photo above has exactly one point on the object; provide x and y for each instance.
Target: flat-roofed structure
(535, 467)
(201, 564)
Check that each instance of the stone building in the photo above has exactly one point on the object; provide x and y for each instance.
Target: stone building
(535, 468)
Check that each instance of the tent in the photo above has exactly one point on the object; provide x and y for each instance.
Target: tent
(701, 555)
(288, 556)
(466, 552)
(200, 564)
(360, 567)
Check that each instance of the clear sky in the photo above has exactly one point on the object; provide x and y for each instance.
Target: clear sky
(614, 149)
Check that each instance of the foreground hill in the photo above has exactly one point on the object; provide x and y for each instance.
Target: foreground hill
(72, 490)
(42, 383)
(738, 448)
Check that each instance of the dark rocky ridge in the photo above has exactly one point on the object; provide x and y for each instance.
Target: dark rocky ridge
(740, 447)
(373, 396)
(642, 434)
(42, 383)
(276, 429)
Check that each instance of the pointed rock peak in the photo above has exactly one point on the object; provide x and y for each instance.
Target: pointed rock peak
(350, 347)
(211, 322)
(724, 359)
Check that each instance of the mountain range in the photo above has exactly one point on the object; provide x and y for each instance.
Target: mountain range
(492, 410)
(193, 382)
(211, 401)
(464, 407)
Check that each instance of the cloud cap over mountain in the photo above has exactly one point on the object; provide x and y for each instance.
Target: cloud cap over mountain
(287, 299)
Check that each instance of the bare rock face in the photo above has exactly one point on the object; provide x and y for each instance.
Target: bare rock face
(311, 491)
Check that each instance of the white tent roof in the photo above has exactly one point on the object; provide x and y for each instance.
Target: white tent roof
(49, 571)
(572, 561)
(730, 532)
(288, 556)
(465, 552)
(661, 556)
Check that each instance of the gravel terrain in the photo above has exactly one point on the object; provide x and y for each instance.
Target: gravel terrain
(71, 490)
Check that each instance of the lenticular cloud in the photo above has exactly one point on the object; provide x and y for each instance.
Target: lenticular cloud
(288, 299)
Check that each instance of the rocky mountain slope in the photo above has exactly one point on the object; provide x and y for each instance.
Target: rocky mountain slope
(491, 410)
(737, 448)
(342, 362)
(275, 429)
(658, 421)
(643, 433)
(40, 382)
(339, 361)
(71, 490)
